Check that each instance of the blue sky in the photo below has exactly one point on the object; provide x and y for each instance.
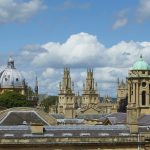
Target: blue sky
(62, 18)
(28, 28)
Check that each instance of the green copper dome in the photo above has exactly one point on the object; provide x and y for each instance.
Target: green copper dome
(140, 64)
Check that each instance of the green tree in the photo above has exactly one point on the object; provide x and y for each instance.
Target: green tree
(13, 99)
(49, 101)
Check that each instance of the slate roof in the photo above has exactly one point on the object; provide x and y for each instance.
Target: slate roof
(112, 120)
(21, 117)
(67, 131)
(144, 120)
(58, 116)
(91, 117)
(117, 118)
(70, 121)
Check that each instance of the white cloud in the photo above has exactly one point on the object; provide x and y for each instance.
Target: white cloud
(83, 50)
(48, 73)
(124, 52)
(121, 20)
(19, 11)
(79, 52)
(143, 11)
(120, 23)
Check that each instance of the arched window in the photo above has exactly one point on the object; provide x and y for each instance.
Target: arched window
(143, 98)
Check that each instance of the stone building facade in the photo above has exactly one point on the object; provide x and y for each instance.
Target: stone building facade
(66, 96)
(122, 90)
(138, 91)
(72, 105)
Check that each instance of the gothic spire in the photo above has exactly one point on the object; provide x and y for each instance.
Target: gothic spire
(36, 86)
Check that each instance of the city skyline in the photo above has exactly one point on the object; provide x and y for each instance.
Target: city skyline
(46, 36)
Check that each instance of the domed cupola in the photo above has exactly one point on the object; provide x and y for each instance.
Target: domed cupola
(140, 64)
(11, 77)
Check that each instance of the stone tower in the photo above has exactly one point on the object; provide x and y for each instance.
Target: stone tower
(122, 90)
(122, 93)
(90, 94)
(138, 91)
(66, 100)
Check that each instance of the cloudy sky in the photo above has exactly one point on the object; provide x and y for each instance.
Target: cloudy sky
(44, 36)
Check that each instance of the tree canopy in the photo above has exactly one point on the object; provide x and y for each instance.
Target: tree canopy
(49, 101)
(13, 99)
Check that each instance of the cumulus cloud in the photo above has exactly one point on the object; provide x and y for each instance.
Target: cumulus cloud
(143, 11)
(19, 10)
(125, 52)
(48, 72)
(79, 52)
(83, 50)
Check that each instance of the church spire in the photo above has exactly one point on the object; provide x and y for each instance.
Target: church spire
(36, 86)
(67, 86)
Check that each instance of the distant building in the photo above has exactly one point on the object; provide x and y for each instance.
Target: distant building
(72, 105)
(12, 79)
(138, 92)
(66, 100)
(122, 91)
(28, 128)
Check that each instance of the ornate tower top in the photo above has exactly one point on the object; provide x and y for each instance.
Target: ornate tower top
(10, 63)
(66, 86)
(90, 87)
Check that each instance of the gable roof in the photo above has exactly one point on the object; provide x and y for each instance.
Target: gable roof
(25, 115)
(22, 117)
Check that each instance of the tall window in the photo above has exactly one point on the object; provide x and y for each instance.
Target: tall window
(143, 98)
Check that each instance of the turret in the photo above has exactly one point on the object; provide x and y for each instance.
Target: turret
(10, 63)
